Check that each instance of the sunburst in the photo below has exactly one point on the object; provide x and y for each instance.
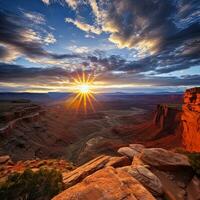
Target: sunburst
(84, 98)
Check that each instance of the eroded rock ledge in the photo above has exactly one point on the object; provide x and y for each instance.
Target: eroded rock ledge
(145, 174)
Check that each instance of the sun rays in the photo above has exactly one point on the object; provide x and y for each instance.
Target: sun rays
(84, 95)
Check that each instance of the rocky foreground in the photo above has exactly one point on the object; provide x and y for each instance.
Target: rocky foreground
(140, 174)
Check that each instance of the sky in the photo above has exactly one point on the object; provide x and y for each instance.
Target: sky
(126, 45)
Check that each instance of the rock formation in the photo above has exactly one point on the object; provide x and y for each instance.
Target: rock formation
(11, 119)
(149, 174)
(154, 173)
(191, 119)
(107, 184)
(167, 119)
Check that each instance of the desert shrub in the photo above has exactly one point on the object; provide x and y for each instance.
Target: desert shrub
(195, 162)
(40, 185)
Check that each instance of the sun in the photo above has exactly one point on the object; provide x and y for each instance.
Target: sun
(83, 98)
(84, 88)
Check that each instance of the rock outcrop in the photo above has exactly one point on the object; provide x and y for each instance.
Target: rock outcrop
(146, 177)
(107, 184)
(92, 166)
(154, 173)
(163, 159)
(191, 119)
(12, 119)
(131, 151)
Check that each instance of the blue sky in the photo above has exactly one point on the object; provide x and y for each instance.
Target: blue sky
(127, 45)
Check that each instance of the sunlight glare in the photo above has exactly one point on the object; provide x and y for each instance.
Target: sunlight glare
(85, 88)
(83, 100)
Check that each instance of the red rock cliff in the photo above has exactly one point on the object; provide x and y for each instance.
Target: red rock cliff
(191, 119)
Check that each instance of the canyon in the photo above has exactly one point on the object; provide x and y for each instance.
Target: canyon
(126, 149)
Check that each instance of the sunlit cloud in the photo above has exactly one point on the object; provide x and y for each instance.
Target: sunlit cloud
(35, 17)
(83, 26)
(72, 3)
(50, 39)
(46, 1)
(125, 43)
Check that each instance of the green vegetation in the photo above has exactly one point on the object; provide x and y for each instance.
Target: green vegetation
(40, 185)
(195, 162)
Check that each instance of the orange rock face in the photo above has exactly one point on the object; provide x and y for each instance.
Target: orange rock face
(191, 119)
(107, 184)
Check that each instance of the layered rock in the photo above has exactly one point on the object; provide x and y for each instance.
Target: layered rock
(92, 166)
(154, 173)
(107, 184)
(131, 151)
(163, 159)
(191, 119)
(146, 177)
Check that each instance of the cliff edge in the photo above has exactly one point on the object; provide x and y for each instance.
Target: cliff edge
(191, 119)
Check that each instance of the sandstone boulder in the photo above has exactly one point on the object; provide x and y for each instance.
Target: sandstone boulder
(107, 184)
(146, 178)
(131, 151)
(164, 159)
(77, 175)
(138, 162)
(85, 170)
(119, 161)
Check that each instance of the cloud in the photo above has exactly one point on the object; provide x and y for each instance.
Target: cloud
(17, 39)
(24, 40)
(72, 3)
(159, 37)
(145, 26)
(83, 26)
(13, 72)
(79, 49)
(35, 17)
(49, 39)
(46, 2)
(8, 53)
(53, 78)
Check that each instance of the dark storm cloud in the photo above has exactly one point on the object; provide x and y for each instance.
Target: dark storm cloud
(15, 33)
(17, 73)
(166, 33)
(148, 24)
(10, 72)
(3, 52)
(20, 74)
(153, 81)
(168, 60)
(162, 35)
(110, 63)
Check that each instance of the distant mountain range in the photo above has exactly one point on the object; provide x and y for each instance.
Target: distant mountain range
(39, 97)
(59, 96)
